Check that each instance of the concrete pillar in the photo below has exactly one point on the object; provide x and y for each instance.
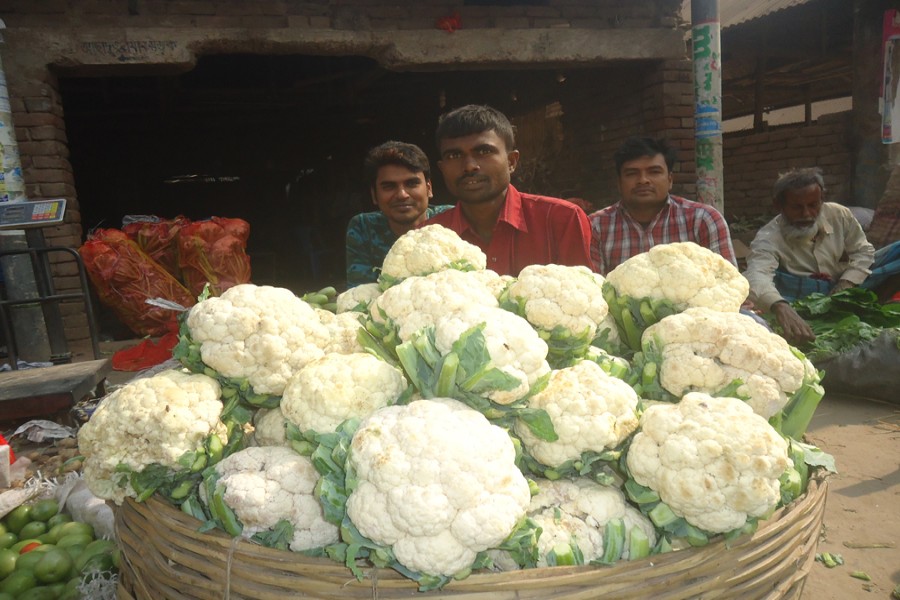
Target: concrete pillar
(707, 51)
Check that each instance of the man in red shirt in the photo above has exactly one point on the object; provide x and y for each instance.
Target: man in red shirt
(477, 153)
(647, 214)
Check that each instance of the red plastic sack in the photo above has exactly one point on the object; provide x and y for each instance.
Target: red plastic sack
(214, 252)
(159, 239)
(145, 354)
(125, 278)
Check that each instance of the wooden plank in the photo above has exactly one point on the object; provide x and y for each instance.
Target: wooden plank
(70, 382)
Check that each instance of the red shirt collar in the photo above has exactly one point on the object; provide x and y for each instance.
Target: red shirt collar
(510, 213)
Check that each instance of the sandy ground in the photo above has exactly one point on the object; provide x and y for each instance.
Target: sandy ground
(862, 510)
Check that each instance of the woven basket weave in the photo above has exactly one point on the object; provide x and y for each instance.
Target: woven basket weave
(165, 558)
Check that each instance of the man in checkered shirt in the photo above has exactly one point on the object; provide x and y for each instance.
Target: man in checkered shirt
(648, 214)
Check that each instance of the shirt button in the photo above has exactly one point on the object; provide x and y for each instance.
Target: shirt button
(494, 259)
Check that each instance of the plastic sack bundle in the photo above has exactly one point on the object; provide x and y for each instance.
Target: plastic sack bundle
(869, 369)
(214, 251)
(125, 277)
(158, 238)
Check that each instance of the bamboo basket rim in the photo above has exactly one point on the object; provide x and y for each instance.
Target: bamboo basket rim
(164, 556)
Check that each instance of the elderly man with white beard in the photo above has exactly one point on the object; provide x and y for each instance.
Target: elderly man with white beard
(811, 246)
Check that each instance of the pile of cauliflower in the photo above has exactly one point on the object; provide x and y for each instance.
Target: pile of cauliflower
(448, 419)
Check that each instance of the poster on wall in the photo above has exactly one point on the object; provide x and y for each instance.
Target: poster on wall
(890, 83)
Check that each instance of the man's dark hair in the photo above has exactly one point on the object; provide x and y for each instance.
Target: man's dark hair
(475, 118)
(636, 147)
(797, 179)
(395, 153)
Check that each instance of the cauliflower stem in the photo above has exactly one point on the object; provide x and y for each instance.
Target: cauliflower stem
(467, 374)
(634, 315)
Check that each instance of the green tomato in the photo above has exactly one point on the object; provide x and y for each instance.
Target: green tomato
(76, 527)
(8, 539)
(54, 566)
(74, 550)
(101, 562)
(19, 582)
(18, 518)
(58, 519)
(7, 562)
(33, 529)
(43, 510)
(75, 539)
(28, 560)
(42, 592)
(17, 547)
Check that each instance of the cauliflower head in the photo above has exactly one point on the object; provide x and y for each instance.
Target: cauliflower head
(343, 329)
(436, 482)
(684, 273)
(514, 346)
(705, 350)
(337, 387)
(417, 302)
(429, 249)
(262, 333)
(590, 411)
(264, 485)
(269, 428)
(357, 298)
(590, 503)
(712, 460)
(153, 420)
(561, 296)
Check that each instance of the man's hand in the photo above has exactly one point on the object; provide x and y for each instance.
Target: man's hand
(796, 330)
(841, 285)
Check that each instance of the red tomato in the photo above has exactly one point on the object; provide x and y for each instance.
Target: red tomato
(29, 547)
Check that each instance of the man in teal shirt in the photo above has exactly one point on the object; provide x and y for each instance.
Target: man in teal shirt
(399, 179)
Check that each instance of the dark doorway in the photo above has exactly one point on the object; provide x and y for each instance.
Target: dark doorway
(275, 140)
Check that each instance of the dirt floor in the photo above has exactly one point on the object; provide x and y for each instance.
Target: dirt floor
(862, 514)
(862, 510)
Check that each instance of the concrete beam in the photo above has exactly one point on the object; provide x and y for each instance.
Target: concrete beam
(168, 49)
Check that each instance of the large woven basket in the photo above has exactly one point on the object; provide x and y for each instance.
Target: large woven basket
(164, 557)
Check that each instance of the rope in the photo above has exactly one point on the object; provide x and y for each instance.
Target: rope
(231, 548)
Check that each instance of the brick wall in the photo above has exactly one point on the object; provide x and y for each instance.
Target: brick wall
(336, 14)
(37, 114)
(754, 160)
(597, 122)
(40, 122)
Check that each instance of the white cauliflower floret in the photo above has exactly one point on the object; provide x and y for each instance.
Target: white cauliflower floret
(267, 484)
(591, 503)
(418, 301)
(705, 350)
(437, 482)
(262, 333)
(357, 297)
(684, 273)
(269, 428)
(493, 281)
(561, 296)
(577, 511)
(342, 329)
(153, 420)
(514, 346)
(712, 460)
(337, 387)
(429, 249)
(590, 411)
